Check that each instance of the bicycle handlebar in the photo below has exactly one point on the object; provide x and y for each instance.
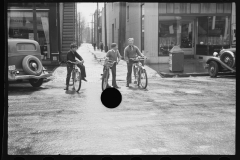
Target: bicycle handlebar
(138, 59)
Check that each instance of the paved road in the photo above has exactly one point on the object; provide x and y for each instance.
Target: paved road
(194, 115)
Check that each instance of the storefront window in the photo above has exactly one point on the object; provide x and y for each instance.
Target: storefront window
(168, 34)
(213, 34)
(20, 25)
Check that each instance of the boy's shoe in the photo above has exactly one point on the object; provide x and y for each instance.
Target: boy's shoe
(116, 87)
(84, 79)
(66, 88)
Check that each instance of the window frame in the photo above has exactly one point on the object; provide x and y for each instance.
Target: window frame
(25, 44)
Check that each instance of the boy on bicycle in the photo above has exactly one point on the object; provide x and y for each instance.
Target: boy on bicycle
(131, 51)
(113, 55)
(71, 57)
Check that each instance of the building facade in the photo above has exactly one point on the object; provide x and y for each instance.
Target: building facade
(47, 23)
(198, 28)
(116, 25)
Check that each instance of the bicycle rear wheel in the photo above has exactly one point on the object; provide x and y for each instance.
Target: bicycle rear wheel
(104, 80)
(143, 80)
(77, 81)
(71, 81)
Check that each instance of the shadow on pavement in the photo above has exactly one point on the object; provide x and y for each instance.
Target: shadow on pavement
(136, 88)
(16, 89)
(227, 76)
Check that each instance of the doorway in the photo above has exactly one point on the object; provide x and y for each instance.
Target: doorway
(187, 37)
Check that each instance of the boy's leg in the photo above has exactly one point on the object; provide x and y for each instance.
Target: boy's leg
(83, 71)
(114, 84)
(129, 73)
(69, 70)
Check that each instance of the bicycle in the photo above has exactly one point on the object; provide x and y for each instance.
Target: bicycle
(140, 73)
(107, 65)
(76, 79)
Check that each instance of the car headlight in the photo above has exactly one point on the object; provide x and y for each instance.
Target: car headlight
(215, 54)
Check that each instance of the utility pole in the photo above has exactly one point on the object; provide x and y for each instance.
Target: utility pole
(34, 23)
(97, 28)
(105, 25)
(77, 24)
(79, 28)
(92, 28)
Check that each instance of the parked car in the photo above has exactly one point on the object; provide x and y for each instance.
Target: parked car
(24, 62)
(224, 61)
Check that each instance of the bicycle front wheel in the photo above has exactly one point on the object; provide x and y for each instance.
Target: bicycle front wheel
(104, 80)
(143, 80)
(77, 81)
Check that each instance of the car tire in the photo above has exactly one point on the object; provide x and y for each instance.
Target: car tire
(36, 82)
(26, 64)
(228, 59)
(213, 69)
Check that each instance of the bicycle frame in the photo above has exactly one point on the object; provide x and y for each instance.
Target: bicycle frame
(108, 64)
(139, 68)
(74, 71)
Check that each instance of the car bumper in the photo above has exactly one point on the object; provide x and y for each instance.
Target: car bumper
(13, 77)
(206, 66)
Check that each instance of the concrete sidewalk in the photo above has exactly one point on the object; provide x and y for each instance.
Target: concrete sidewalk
(192, 67)
(122, 66)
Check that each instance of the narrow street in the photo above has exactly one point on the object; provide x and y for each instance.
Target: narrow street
(194, 115)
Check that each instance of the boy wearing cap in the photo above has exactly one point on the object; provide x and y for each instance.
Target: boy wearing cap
(114, 55)
(71, 57)
(131, 51)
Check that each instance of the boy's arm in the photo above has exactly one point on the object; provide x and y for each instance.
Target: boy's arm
(126, 55)
(78, 56)
(138, 52)
(119, 56)
(108, 54)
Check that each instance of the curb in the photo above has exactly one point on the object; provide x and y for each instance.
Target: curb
(170, 75)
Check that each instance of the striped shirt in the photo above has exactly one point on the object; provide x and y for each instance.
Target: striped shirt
(131, 52)
(113, 55)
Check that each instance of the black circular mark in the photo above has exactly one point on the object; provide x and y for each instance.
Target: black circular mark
(111, 97)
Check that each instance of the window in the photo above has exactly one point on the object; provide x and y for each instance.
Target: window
(213, 34)
(127, 13)
(112, 6)
(26, 47)
(115, 23)
(167, 34)
(20, 25)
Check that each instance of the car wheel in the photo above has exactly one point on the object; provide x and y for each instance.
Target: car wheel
(213, 69)
(32, 65)
(228, 59)
(36, 82)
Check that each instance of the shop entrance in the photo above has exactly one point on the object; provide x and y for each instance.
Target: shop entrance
(187, 36)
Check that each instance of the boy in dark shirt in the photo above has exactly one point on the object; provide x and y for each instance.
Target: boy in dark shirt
(71, 57)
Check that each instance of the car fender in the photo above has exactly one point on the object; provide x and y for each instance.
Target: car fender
(217, 59)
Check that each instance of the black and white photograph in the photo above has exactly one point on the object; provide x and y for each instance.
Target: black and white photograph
(120, 78)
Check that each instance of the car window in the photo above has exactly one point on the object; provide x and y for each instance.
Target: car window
(26, 47)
